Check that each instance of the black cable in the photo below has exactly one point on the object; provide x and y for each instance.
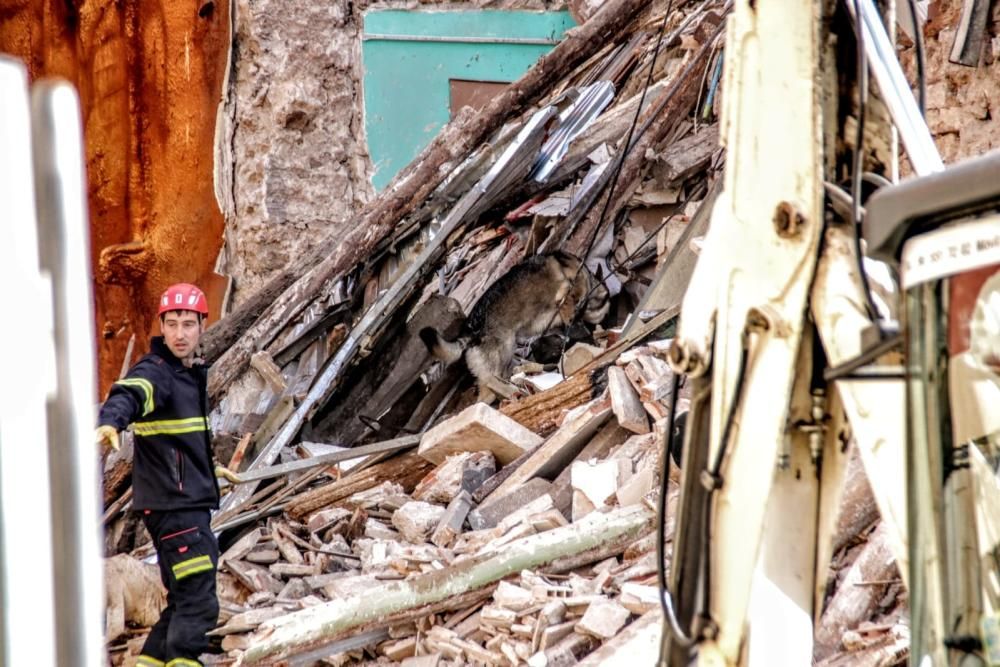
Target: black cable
(727, 431)
(666, 599)
(858, 167)
(918, 43)
(641, 130)
(627, 146)
(626, 149)
(715, 477)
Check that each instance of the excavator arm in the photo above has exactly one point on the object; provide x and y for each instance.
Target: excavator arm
(779, 339)
(743, 335)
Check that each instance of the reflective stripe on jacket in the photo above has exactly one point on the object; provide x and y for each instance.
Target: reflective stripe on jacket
(168, 406)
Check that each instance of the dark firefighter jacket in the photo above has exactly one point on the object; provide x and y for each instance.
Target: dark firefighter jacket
(167, 402)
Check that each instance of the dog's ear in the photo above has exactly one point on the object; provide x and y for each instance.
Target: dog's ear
(599, 273)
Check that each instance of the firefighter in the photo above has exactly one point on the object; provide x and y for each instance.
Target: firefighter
(164, 397)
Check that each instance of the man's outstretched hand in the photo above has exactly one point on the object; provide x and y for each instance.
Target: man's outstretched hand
(107, 437)
(222, 472)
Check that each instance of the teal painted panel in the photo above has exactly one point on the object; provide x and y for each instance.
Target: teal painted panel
(406, 82)
(482, 23)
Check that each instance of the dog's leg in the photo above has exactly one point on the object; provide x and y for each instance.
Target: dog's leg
(488, 361)
(499, 387)
(493, 388)
(486, 395)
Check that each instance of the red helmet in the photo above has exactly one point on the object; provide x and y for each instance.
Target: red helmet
(183, 296)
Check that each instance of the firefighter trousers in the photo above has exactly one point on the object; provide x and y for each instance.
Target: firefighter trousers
(188, 554)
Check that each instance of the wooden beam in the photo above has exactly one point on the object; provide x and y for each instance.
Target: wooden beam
(543, 411)
(264, 364)
(324, 624)
(406, 470)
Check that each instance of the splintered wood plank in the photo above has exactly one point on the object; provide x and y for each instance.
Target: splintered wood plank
(561, 447)
(263, 363)
(625, 402)
(543, 411)
(478, 428)
(406, 470)
(686, 157)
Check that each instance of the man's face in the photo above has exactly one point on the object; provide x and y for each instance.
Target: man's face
(181, 332)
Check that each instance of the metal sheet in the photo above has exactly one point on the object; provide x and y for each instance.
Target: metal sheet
(590, 102)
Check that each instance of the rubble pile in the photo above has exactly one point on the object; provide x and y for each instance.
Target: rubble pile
(426, 571)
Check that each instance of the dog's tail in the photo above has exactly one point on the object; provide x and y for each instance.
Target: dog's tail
(448, 351)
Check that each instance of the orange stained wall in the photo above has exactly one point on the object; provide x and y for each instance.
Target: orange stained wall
(150, 76)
